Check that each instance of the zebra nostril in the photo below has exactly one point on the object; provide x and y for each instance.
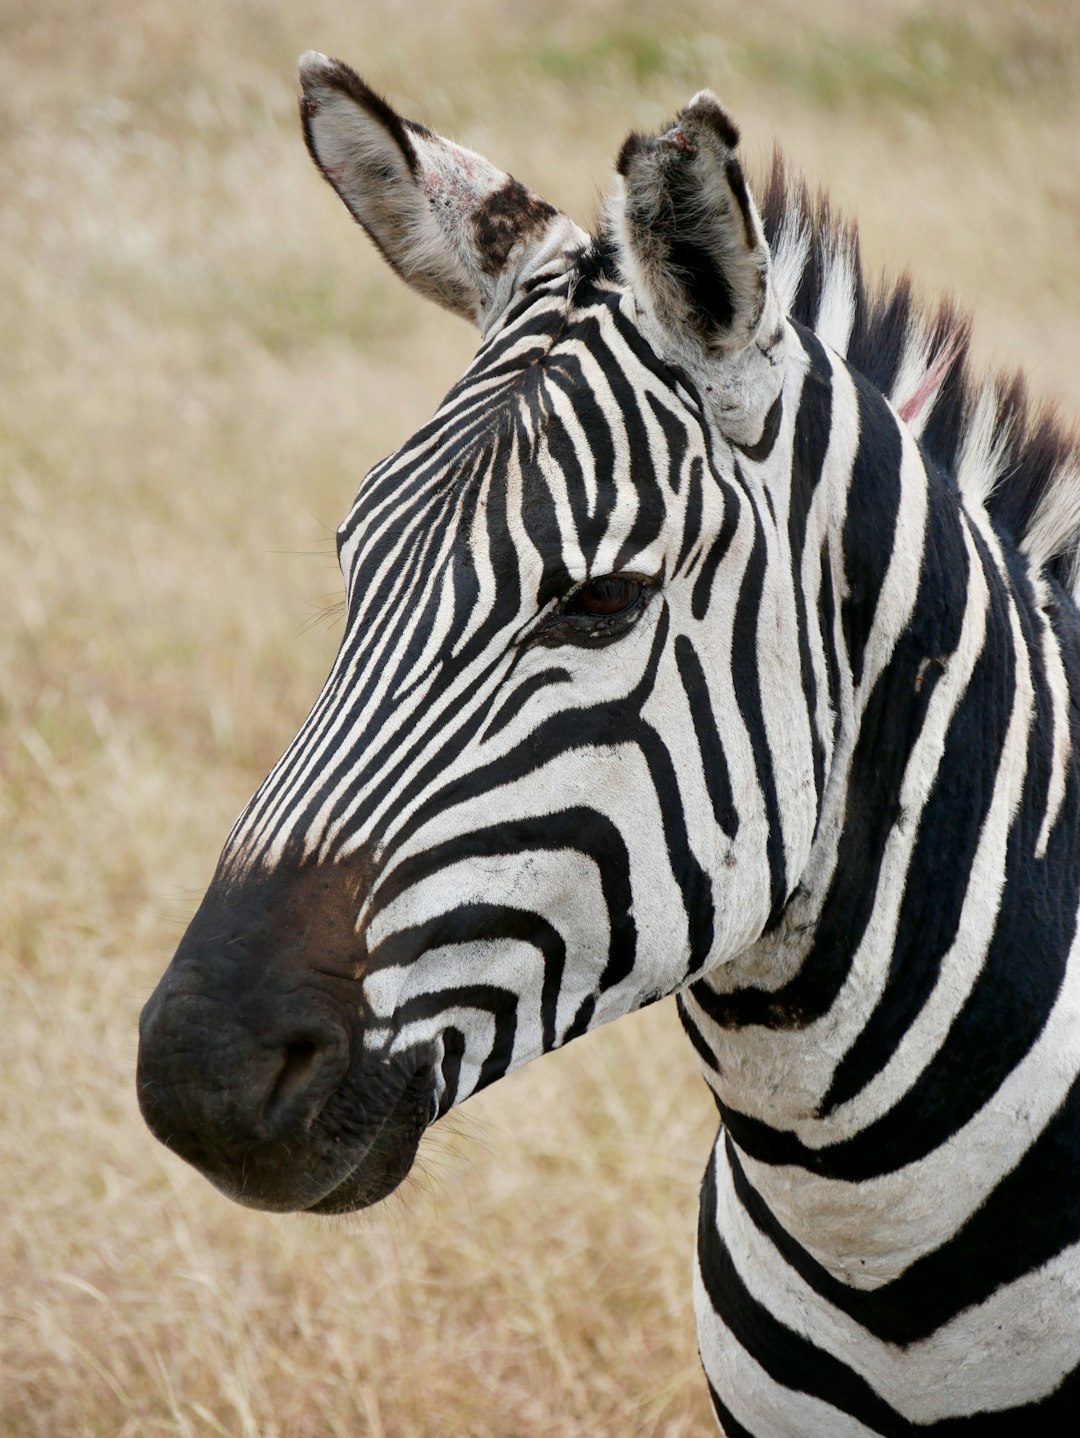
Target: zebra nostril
(310, 1070)
(298, 1061)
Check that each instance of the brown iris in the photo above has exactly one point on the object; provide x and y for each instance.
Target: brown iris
(610, 594)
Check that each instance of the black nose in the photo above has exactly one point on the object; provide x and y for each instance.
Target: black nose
(232, 1086)
(253, 1059)
(311, 1067)
(273, 1073)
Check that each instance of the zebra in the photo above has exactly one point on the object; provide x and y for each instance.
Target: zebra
(716, 638)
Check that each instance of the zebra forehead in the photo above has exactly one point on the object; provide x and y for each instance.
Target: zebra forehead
(579, 362)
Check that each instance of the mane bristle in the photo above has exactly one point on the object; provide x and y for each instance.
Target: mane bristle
(1022, 467)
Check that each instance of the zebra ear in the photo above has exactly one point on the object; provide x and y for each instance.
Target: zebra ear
(456, 228)
(689, 235)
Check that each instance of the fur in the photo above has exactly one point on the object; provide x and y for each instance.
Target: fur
(1015, 460)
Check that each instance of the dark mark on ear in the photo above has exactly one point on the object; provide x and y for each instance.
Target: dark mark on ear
(717, 118)
(504, 218)
(630, 147)
(740, 195)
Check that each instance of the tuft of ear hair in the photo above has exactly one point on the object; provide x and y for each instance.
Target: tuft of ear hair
(455, 227)
(690, 239)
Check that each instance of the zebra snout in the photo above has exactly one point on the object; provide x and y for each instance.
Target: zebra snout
(252, 1058)
(239, 1091)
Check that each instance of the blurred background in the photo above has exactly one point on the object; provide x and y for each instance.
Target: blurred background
(199, 357)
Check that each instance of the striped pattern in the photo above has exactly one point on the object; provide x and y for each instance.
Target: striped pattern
(896, 1062)
(484, 726)
(819, 779)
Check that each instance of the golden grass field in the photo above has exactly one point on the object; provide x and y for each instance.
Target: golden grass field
(200, 356)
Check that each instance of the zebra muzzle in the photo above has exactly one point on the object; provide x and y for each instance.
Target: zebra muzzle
(253, 1067)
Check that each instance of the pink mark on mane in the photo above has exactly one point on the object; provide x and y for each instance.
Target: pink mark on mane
(927, 390)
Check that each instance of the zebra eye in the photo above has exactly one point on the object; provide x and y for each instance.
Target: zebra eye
(597, 612)
(603, 597)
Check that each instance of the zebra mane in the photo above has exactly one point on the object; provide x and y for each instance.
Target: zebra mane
(1016, 460)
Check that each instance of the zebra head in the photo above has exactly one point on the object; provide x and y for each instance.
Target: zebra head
(564, 763)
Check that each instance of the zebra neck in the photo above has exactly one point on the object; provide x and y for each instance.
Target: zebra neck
(933, 932)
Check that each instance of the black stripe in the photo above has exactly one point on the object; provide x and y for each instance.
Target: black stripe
(770, 430)
(732, 1428)
(518, 698)
(676, 439)
(701, 595)
(746, 684)
(870, 521)
(584, 830)
(713, 760)
(465, 924)
(651, 513)
(491, 999)
(694, 882)
(694, 1034)
(453, 1053)
(692, 521)
(582, 1019)
(813, 425)
(827, 626)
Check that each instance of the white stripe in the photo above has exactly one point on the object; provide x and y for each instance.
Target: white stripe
(891, 1221)
(836, 309)
(1010, 1350)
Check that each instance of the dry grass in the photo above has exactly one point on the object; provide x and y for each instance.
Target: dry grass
(199, 358)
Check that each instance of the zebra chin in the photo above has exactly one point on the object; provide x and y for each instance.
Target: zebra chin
(253, 1065)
